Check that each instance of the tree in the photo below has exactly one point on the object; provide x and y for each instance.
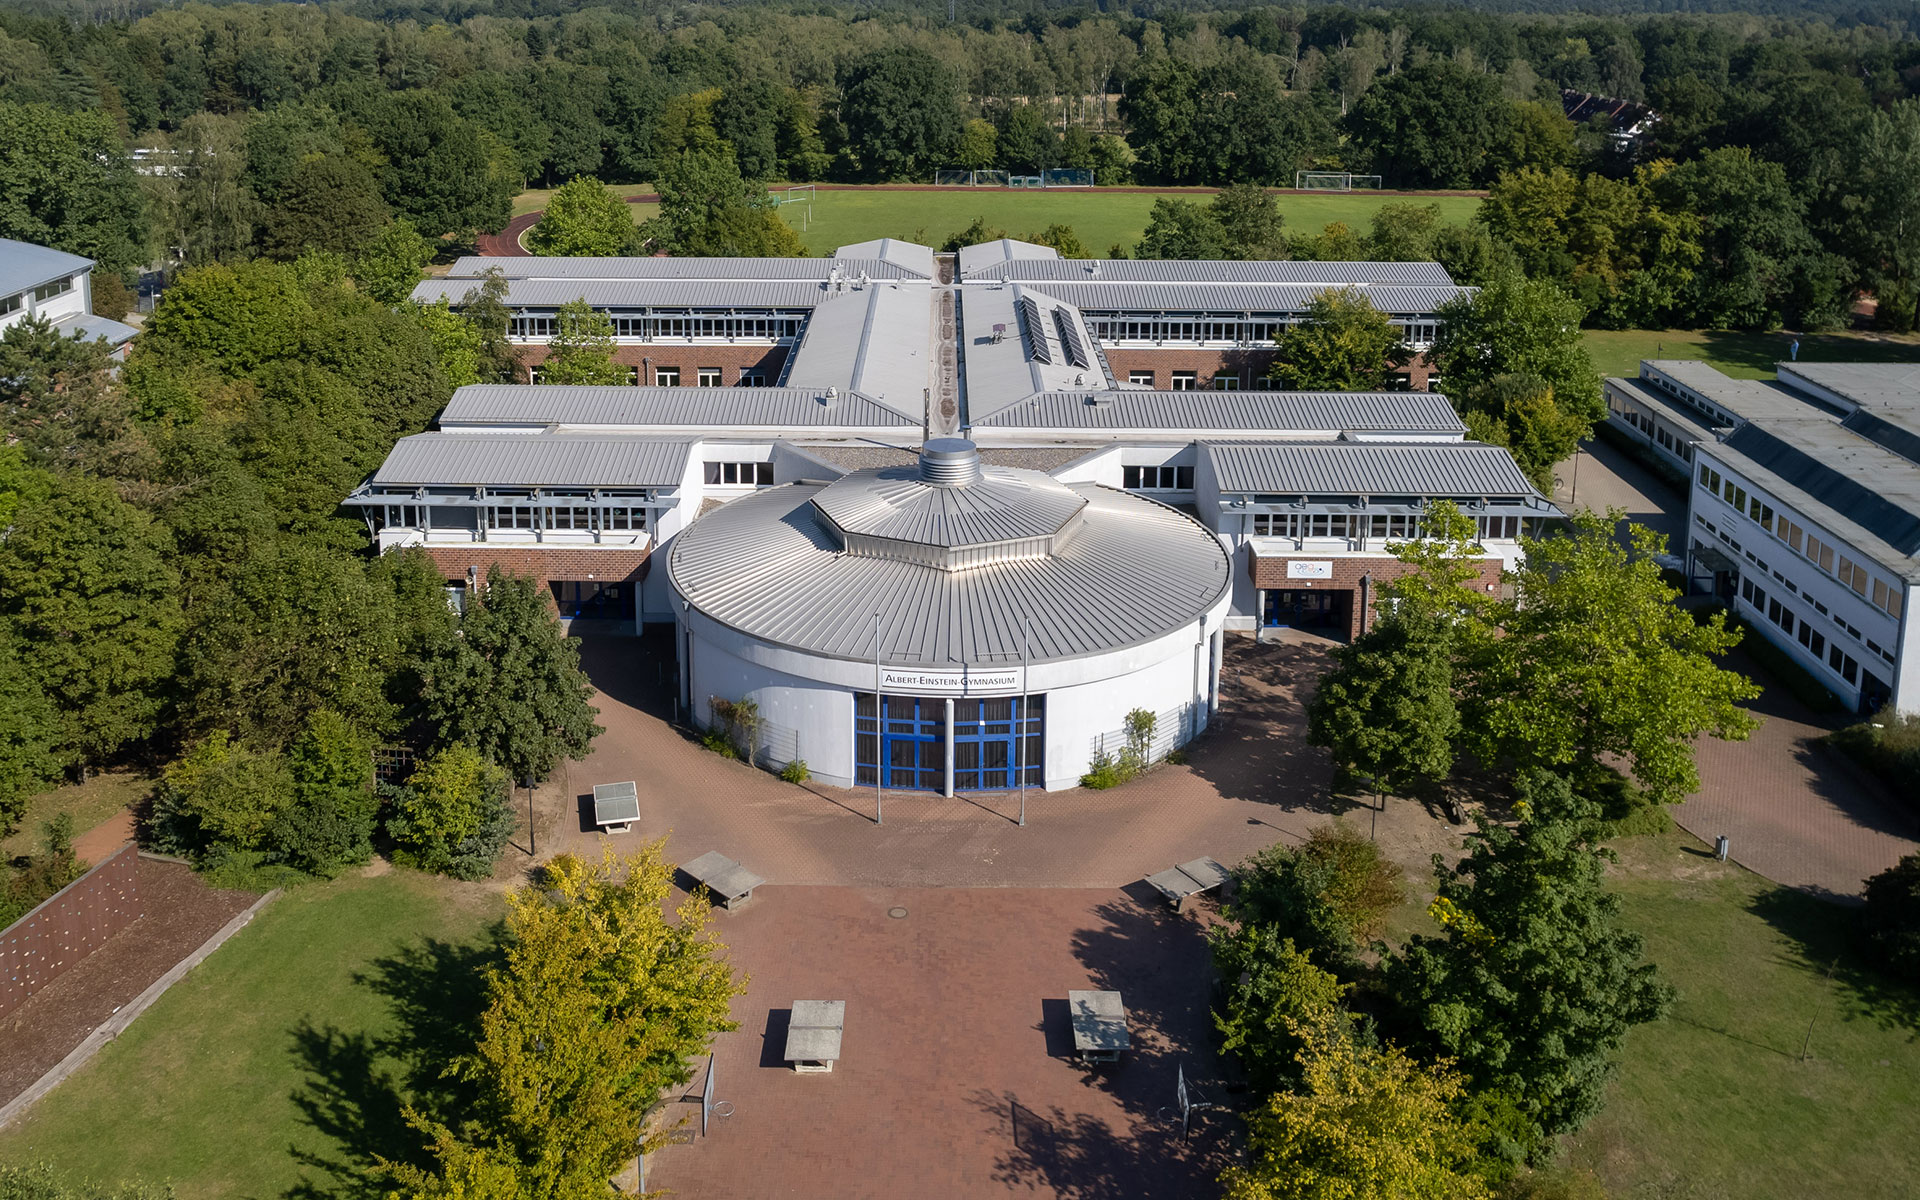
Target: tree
(457, 343)
(328, 825)
(510, 684)
(1532, 135)
(1386, 710)
(453, 815)
(1434, 125)
(1226, 122)
(331, 204)
(1341, 344)
(1893, 916)
(706, 208)
(1518, 326)
(1597, 664)
(95, 605)
(1365, 1124)
(1521, 413)
(1181, 229)
(211, 210)
(1883, 210)
(1027, 141)
(584, 219)
(1535, 982)
(29, 734)
(1062, 238)
(66, 182)
(220, 796)
(438, 174)
(601, 1002)
(1271, 991)
(581, 349)
(1403, 232)
(485, 309)
(976, 233)
(900, 109)
(979, 146)
(1327, 898)
(1251, 226)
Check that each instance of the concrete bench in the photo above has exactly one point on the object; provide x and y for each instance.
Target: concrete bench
(1188, 879)
(1099, 1026)
(813, 1035)
(731, 884)
(616, 806)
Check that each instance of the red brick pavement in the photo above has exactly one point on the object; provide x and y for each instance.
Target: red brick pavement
(954, 1081)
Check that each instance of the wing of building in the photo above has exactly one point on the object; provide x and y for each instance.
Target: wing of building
(1002, 498)
(1803, 507)
(38, 281)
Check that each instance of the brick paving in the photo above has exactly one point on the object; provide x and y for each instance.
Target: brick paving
(954, 1080)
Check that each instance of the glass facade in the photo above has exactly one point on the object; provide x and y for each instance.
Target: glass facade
(994, 739)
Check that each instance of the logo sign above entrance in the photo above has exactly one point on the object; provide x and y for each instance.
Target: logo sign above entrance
(960, 683)
(1309, 570)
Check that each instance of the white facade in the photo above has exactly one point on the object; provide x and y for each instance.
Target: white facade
(52, 285)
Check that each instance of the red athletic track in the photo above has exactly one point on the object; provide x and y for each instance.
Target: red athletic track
(506, 243)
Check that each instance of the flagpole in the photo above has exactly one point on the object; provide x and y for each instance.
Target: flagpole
(1020, 734)
(879, 727)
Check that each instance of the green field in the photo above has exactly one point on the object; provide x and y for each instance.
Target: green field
(1741, 355)
(89, 803)
(261, 1067)
(1101, 218)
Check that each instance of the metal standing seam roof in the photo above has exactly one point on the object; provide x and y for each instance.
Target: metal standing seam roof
(876, 340)
(1862, 491)
(1141, 297)
(536, 405)
(767, 566)
(471, 267)
(534, 460)
(25, 265)
(1367, 468)
(987, 255)
(911, 258)
(638, 293)
(90, 326)
(997, 375)
(1004, 505)
(1213, 271)
(1280, 412)
(1678, 411)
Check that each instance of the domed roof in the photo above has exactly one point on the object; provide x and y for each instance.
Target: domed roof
(949, 511)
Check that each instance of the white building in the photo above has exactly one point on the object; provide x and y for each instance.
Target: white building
(36, 281)
(1804, 507)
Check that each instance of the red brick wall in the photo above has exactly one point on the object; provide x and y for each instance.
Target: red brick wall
(1248, 365)
(1272, 573)
(541, 562)
(730, 359)
(73, 923)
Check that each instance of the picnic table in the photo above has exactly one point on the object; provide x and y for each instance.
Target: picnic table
(730, 883)
(1099, 1026)
(1188, 879)
(813, 1035)
(616, 806)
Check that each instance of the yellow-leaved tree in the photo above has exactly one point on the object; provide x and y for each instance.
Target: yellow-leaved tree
(598, 1007)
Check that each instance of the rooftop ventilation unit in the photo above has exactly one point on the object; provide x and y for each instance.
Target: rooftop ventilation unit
(1070, 340)
(1037, 348)
(949, 462)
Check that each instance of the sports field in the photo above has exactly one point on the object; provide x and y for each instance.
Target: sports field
(1740, 354)
(1101, 217)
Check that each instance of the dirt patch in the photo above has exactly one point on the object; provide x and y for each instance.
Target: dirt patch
(178, 913)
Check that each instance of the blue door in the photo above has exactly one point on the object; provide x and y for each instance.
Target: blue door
(996, 740)
(912, 749)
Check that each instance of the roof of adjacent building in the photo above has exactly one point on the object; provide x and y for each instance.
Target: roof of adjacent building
(571, 460)
(536, 405)
(751, 294)
(90, 326)
(24, 265)
(768, 566)
(874, 340)
(1004, 372)
(876, 261)
(898, 253)
(1435, 469)
(1150, 297)
(1891, 391)
(1691, 419)
(1744, 398)
(1211, 271)
(1324, 414)
(1859, 490)
(987, 255)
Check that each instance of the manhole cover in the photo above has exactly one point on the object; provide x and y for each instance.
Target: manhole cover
(896, 912)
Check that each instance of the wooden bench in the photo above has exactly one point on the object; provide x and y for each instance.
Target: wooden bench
(731, 884)
(1188, 879)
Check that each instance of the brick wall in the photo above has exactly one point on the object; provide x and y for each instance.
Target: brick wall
(73, 923)
(1246, 365)
(546, 564)
(1271, 573)
(731, 360)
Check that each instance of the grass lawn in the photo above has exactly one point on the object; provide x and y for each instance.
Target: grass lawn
(1715, 1100)
(271, 1059)
(1741, 355)
(90, 803)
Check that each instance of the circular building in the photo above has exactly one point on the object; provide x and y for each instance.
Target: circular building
(949, 626)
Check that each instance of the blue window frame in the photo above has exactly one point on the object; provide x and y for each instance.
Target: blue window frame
(913, 742)
(988, 753)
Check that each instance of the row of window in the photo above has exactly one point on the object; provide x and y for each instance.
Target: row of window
(740, 474)
(1222, 381)
(1235, 331)
(1882, 595)
(505, 516)
(1158, 479)
(46, 291)
(1373, 525)
(1843, 664)
(671, 376)
(656, 328)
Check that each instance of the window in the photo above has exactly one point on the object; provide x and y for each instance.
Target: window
(1183, 381)
(1753, 595)
(400, 516)
(1433, 382)
(633, 376)
(1820, 553)
(514, 517)
(1400, 528)
(58, 287)
(740, 474)
(1158, 479)
(626, 520)
(666, 377)
(1780, 615)
(570, 518)
(1854, 575)
(1709, 478)
(1276, 525)
(1789, 533)
(1499, 528)
(1812, 640)
(531, 327)
(1223, 382)
(708, 377)
(11, 304)
(1760, 512)
(1734, 495)
(1145, 377)
(1886, 597)
(1843, 662)
(1326, 525)
(1267, 383)
(752, 379)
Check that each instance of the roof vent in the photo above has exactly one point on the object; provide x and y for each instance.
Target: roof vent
(1100, 399)
(949, 462)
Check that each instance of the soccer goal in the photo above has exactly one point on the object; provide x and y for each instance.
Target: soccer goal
(1334, 181)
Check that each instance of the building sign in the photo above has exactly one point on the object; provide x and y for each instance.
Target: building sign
(958, 682)
(1309, 570)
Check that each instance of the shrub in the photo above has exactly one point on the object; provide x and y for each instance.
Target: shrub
(718, 742)
(453, 815)
(1889, 746)
(220, 795)
(1104, 772)
(1893, 916)
(329, 825)
(41, 1182)
(43, 874)
(796, 771)
(1136, 755)
(1358, 882)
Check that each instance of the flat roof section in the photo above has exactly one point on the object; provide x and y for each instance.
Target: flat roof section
(1193, 297)
(1212, 271)
(1368, 469)
(539, 405)
(748, 294)
(876, 340)
(24, 265)
(662, 267)
(1255, 414)
(1861, 491)
(579, 460)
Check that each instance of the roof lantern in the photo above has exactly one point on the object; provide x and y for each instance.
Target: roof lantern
(949, 462)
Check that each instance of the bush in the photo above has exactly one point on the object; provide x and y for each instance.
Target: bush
(1104, 772)
(1892, 916)
(1327, 897)
(737, 722)
(329, 825)
(42, 874)
(219, 795)
(453, 816)
(796, 771)
(41, 1182)
(1889, 746)
(718, 742)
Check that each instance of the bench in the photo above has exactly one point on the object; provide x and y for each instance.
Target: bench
(1099, 1026)
(730, 883)
(1188, 879)
(616, 806)
(813, 1035)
